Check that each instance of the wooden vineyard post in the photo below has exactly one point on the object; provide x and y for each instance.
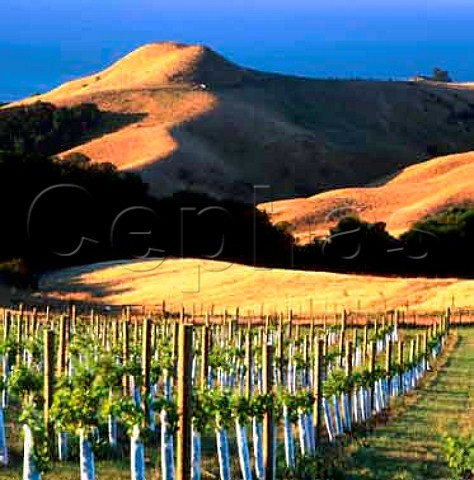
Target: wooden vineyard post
(425, 348)
(48, 377)
(268, 425)
(365, 342)
(417, 347)
(146, 365)
(61, 366)
(281, 348)
(267, 326)
(290, 324)
(115, 333)
(26, 325)
(34, 323)
(248, 365)
(388, 364)
(154, 336)
(342, 340)
(92, 320)
(48, 310)
(204, 356)
(73, 317)
(105, 333)
(19, 335)
(349, 368)
(233, 328)
(125, 354)
(355, 337)
(6, 325)
(401, 363)
(372, 370)
(185, 360)
(175, 346)
(412, 352)
(136, 334)
(306, 368)
(318, 390)
(448, 320)
(311, 329)
(297, 333)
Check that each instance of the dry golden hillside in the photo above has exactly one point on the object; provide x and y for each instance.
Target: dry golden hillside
(416, 192)
(229, 286)
(204, 123)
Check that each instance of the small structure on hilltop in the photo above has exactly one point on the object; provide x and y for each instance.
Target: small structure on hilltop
(439, 75)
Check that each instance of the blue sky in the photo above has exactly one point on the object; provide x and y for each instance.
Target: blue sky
(45, 42)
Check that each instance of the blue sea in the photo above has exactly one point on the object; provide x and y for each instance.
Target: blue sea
(42, 47)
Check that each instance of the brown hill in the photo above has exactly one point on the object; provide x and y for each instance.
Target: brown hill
(416, 192)
(209, 125)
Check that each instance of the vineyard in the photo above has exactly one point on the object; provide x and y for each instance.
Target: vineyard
(124, 394)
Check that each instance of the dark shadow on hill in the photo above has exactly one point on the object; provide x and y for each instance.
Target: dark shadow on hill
(111, 122)
(96, 292)
(303, 136)
(46, 129)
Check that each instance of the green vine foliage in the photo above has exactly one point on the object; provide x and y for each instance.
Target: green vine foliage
(381, 333)
(218, 409)
(336, 383)
(434, 341)
(171, 408)
(224, 357)
(108, 373)
(459, 453)
(26, 383)
(163, 359)
(11, 346)
(300, 361)
(77, 401)
(331, 357)
(202, 411)
(365, 378)
(41, 452)
(301, 401)
(126, 410)
(35, 347)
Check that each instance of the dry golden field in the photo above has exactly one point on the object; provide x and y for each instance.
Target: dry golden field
(199, 282)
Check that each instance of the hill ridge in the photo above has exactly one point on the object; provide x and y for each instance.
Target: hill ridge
(155, 65)
(243, 127)
(414, 193)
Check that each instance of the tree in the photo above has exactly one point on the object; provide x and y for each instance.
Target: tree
(440, 75)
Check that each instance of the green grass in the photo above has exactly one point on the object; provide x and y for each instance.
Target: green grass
(409, 445)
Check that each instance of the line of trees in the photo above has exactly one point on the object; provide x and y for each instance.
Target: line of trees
(57, 213)
(437, 246)
(44, 128)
